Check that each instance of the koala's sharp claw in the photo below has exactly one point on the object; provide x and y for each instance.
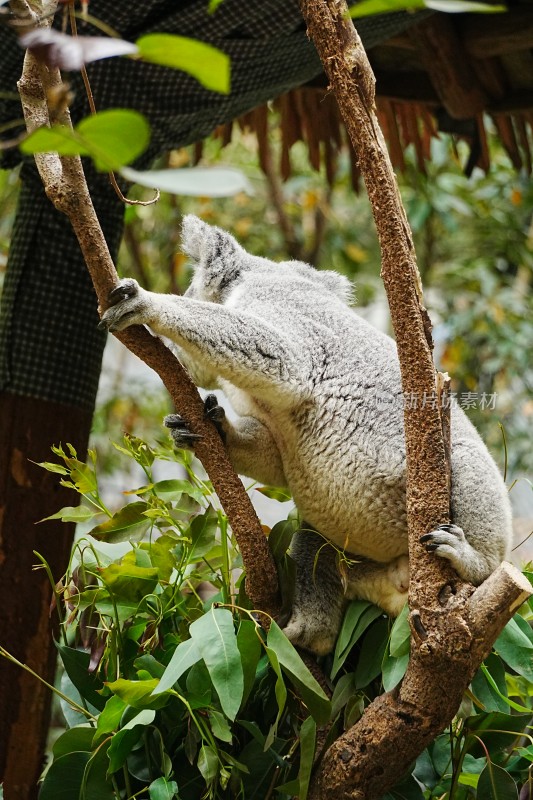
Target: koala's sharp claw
(123, 290)
(180, 432)
(216, 414)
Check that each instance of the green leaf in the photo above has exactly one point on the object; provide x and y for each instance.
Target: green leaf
(280, 537)
(202, 533)
(161, 555)
(129, 581)
(495, 783)
(400, 637)
(128, 524)
(307, 754)
(57, 139)
(281, 696)
(210, 67)
(125, 740)
(193, 182)
(161, 789)
(137, 693)
(368, 7)
(359, 615)
(393, 670)
(51, 467)
(372, 652)
(219, 726)
(275, 493)
(344, 689)
(76, 663)
(109, 719)
(95, 785)
(64, 779)
(308, 688)
(497, 730)
(185, 655)
(214, 636)
(208, 763)
(515, 648)
(249, 646)
(112, 138)
(72, 514)
(484, 691)
(72, 740)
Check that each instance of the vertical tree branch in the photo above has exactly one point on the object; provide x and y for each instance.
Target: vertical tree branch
(450, 632)
(66, 187)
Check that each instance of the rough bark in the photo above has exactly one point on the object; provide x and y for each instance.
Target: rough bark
(66, 187)
(453, 626)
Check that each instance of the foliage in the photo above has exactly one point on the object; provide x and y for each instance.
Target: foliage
(171, 689)
(475, 243)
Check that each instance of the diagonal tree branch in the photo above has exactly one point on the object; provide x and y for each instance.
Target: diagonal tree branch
(453, 626)
(66, 186)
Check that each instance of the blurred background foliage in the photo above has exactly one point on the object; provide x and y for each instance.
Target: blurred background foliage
(474, 240)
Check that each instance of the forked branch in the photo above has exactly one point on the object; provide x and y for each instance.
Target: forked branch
(453, 626)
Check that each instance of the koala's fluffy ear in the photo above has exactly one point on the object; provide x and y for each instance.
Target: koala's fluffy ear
(204, 242)
(219, 258)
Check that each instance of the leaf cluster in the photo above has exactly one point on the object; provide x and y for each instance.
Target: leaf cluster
(171, 689)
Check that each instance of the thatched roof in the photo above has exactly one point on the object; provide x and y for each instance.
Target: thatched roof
(447, 73)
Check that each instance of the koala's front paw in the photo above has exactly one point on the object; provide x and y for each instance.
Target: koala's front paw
(125, 305)
(216, 414)
(447, 541)
(183, 437)
(306, 632)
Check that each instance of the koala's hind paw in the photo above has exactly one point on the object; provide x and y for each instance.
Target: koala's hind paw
(123, 302)
(181, 434)
(447, 541)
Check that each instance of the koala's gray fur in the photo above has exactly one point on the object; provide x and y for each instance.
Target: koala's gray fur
(307, 377)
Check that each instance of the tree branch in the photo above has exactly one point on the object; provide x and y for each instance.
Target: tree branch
(453, 626)
(66, 186)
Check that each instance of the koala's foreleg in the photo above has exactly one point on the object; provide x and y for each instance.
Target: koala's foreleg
(234, 345)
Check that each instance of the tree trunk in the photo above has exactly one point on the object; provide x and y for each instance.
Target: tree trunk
(27, 494)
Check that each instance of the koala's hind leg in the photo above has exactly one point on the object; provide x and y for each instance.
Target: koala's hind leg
(385, 584)
(318, 604)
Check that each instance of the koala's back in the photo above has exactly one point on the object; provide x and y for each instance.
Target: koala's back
(341, 439)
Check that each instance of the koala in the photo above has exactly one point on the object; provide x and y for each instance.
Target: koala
(319, 400)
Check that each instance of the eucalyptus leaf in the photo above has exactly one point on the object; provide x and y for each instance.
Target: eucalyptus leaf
(307, 755)
(64, 779)
(495, 783)
(163, 789)
(310, 691)
(210, 67)
(113, 138)
(73, 514)
(193, 182)
(128, 524)
(215, 639)
(185, 655)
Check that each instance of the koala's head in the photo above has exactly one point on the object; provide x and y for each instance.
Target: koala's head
(221, 264)
(219, 259)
